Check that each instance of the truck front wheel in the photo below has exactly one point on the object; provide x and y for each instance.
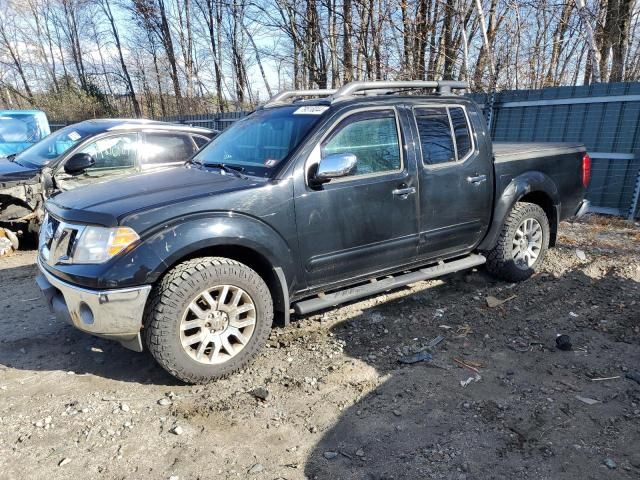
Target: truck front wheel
(522, 244)
(208, 318)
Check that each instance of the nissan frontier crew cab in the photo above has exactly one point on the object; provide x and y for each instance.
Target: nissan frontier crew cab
(298, 207)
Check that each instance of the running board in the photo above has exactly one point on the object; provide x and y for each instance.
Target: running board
(388, 283)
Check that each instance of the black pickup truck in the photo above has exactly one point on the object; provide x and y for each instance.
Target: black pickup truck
(300, 206)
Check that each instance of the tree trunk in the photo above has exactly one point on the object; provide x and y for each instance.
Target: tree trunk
(167, 43)
(620, 39)
(15, 57)
(551, 79)
(593, 66)
(106, 8)
(347, 50)
(486, 51)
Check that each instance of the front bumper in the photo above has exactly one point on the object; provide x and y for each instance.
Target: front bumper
(583, 208)
(113, 314)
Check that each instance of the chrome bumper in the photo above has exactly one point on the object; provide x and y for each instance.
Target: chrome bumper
(113, 314)
(583, 208)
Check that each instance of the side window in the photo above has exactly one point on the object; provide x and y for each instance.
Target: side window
(118, 151)
(167, 148)
(200, 141)
(372, 137)
(460, 131)
(435, 135)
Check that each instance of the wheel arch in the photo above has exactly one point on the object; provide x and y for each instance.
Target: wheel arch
(273, 276)
(533, 187)
(12, 208)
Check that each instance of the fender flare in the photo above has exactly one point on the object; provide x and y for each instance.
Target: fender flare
(169, 244)
(524, 184)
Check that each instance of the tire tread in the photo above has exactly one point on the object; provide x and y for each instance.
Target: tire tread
(161, 308)
(499, 261)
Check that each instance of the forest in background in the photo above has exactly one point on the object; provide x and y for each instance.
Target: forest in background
(80, 59)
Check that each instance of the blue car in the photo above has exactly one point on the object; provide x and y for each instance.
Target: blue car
(20, 129)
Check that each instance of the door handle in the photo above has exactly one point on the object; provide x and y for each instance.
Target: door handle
(477, 179)
(404, 191)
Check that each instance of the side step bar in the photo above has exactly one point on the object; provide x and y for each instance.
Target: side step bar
(378, 286)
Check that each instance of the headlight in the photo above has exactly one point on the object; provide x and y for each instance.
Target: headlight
(99, 244)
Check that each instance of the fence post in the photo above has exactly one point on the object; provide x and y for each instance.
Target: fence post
(492, 101)
(635, 200)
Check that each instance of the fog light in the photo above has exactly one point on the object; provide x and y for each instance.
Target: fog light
(86, 315)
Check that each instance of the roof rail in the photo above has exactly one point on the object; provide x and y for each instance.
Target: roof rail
(352, 88)
(281, 97)
(443, 86)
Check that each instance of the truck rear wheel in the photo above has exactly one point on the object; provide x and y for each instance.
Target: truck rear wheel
(208, 318)
(522, 244)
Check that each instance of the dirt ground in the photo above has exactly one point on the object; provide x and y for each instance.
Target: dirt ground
(340, 405)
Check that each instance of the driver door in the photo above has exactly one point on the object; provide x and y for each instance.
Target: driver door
(115, 156)
(366, 221)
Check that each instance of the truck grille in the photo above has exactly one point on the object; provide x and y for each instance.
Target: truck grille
(57, 240)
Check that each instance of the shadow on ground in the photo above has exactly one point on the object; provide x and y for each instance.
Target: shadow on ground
(522, 420)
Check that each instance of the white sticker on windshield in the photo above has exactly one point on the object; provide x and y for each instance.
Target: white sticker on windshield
(75, 136)
(311, 110)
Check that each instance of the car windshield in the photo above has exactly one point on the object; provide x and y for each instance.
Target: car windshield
(56, 144)
(258, 143)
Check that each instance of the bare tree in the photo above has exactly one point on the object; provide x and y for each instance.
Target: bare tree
(106, 8)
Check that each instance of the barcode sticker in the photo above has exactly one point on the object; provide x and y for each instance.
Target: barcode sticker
(311, 110)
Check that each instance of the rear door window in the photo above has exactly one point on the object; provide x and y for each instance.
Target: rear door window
(163, 148)
(436, 140)
(460, 131)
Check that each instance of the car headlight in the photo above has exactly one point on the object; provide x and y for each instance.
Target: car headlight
(99, 244)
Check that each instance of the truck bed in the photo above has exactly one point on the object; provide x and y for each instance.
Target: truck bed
(559, 163)
(503, 151)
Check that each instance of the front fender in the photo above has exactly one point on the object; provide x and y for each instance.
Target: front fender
(169, 244)
(518, 187)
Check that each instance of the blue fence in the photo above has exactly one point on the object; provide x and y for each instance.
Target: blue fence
(605, 117)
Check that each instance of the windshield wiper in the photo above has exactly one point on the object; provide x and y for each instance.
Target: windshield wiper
(234, 169)
(11, 157)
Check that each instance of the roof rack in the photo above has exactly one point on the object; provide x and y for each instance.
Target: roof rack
(383, 87)
(443, 86)
(282, 97)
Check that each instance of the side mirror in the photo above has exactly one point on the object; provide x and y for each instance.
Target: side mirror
(78, 163)
(335, 166)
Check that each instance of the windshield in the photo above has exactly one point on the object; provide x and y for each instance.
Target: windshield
(56, 144)
(259, 142)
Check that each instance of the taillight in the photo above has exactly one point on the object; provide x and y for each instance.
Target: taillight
(586, 170)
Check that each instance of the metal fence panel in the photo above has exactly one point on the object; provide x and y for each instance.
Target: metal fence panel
(605, 117)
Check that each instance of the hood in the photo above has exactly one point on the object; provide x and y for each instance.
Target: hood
(12, 173)
(106, 202)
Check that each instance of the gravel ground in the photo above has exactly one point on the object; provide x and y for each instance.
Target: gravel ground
(329, 399)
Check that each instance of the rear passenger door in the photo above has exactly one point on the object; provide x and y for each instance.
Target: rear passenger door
(166, 149)
(455, 180)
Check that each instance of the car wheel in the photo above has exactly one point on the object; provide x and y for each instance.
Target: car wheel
(522, 244)
(208, 318)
